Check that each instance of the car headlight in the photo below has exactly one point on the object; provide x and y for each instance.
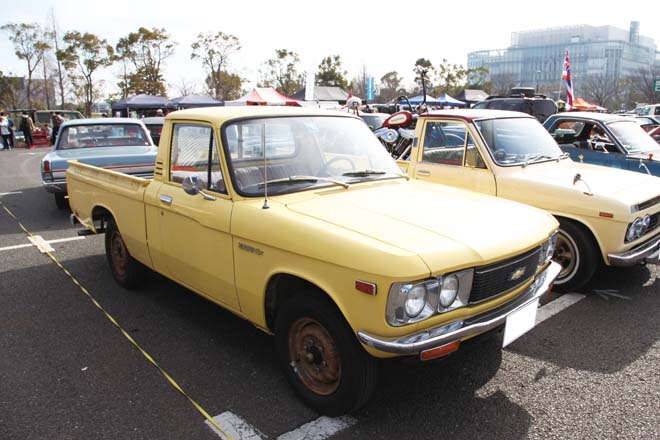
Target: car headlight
(418, 300)
(448, 290)
(638, 227)
(415, 299)
(548, 249)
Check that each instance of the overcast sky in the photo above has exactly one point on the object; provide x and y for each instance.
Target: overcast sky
(376, 34)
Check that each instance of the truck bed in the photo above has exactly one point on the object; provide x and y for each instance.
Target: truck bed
(96, 192)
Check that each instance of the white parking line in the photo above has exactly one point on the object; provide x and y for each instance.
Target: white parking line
(41, 244)
(556, 306)
(319, 429)
(235, 427)
(9, 193)
(18, 246)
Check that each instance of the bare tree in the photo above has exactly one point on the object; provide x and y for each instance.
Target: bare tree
(186, 87)
(502, 83)
(55, 39)
(360, 83)
(214, 50)
(29, 45)
(646, 81)
(601, 90)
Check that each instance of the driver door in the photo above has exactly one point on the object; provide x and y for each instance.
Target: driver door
(450, 156)
(195, 232)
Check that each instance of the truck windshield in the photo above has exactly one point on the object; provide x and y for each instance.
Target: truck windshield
(517, 141)
(303, 152)
(102, 135)
(633, 138)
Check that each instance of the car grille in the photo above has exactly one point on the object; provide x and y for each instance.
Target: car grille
(647, 204)
(497, 278)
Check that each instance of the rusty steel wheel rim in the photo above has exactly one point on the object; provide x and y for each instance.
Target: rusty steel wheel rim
(314, 356)
(119, 254)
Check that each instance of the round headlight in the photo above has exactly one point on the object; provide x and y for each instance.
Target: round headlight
(638, 226)
(550, 249)
(448, 290)
(630, 235)
(415, 300)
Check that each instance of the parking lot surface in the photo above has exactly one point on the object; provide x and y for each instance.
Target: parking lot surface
(82, 358)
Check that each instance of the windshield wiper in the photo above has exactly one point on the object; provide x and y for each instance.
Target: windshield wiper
(297, 179)
(538, 157)
(363, 173)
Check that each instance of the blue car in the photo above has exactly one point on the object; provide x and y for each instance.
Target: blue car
(603, 139)
(120, 144)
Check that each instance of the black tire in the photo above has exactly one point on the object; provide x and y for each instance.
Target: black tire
(578, 255)
(61, 201)
(126, 270)
(336, 375)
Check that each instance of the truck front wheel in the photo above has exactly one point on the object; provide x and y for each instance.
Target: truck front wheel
(321, 357)
(577, 254)
(126, 270)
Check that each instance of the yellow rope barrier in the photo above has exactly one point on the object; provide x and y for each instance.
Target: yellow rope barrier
(169, 378)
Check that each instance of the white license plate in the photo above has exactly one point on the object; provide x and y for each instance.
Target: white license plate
(520, 322)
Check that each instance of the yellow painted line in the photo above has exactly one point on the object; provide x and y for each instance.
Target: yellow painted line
(169, 378)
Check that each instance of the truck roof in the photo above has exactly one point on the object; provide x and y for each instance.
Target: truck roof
(222, 114)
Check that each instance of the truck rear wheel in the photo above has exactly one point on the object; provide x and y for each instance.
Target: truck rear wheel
(321, 357)
(126, 270)
(61, 201)
(577, 254)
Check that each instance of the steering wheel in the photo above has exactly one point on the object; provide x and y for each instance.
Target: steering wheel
(324, 169)
(499, 155)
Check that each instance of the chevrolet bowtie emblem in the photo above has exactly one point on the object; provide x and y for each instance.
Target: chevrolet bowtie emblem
(517, 274)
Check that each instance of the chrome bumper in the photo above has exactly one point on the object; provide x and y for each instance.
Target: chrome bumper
(55, 186)
(458, 330)
(648, 252)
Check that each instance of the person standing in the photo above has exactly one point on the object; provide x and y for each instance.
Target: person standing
(12, 135)
(27, 127)
(4, 132)
(57, 120)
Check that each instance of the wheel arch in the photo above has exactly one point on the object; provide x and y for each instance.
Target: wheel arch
(283, 286)
(586, 228)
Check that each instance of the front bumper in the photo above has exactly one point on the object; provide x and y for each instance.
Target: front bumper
(648, 252)
(458, 330)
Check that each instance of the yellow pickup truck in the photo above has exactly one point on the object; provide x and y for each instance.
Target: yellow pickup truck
(605, 215)
(300, 222)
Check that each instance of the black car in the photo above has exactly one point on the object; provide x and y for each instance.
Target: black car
(155, 126)
(521, 100)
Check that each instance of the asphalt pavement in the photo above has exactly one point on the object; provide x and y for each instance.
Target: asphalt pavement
(76, 354)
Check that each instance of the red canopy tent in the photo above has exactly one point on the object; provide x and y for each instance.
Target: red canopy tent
(264, 96)
(582, 105)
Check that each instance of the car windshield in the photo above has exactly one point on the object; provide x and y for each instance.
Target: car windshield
(518, 141)
(101, 135)
(304, 152)
(633, 138)
(373, 121)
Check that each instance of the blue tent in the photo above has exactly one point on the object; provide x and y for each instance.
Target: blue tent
(416, 100)
(190, 101)
(140, 103)
(445, 99)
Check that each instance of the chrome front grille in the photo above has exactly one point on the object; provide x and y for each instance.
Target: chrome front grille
(497, 278)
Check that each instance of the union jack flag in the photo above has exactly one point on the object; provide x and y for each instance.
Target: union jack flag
(566, 77)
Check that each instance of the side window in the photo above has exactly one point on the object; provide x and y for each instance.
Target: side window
(195, 153)
(472, 156)
(444, 142)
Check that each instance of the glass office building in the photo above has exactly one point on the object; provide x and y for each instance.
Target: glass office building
(536, 57)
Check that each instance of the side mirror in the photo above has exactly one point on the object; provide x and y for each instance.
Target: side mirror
(191, 185)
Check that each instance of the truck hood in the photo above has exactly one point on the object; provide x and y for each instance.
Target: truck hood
(625, 188)
(441, 224)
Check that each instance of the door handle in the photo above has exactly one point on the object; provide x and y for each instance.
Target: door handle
(166, 199)
(423, 173)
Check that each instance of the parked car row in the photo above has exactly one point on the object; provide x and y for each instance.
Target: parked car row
(299, 221)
